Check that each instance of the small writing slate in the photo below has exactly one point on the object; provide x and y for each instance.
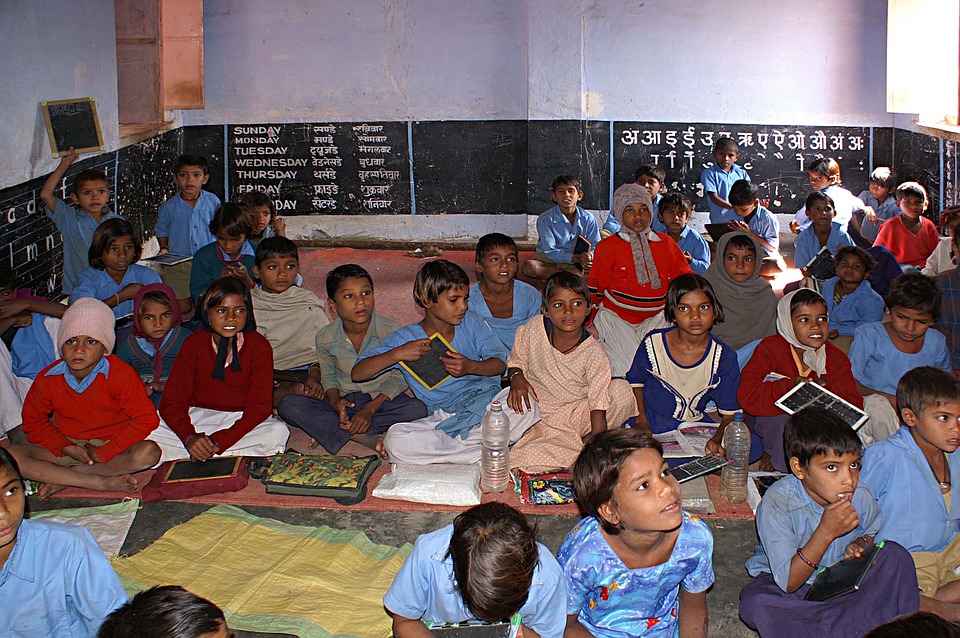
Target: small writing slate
(215, 468)
(429, 370)
(810, 394)
(822, 266)
(73, 124)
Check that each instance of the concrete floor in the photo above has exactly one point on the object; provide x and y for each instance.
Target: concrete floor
(734, 541)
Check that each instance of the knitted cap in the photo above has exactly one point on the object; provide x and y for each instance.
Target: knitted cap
(630, 194)
(91, 318)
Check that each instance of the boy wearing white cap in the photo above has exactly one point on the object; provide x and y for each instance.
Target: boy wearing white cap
(87, 414)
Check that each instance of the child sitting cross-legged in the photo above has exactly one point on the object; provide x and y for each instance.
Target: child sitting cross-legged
(558, 229)
(880, 206)
(637, 565)
(54, 578)
(557, 363)
(87, 415)
(487, 566)
(912, 475)
(218, 399)
(674, 212)
(335, 409)
(851, 300)
(450, 433)
(287, 315)
(817, 516)
(153, 344)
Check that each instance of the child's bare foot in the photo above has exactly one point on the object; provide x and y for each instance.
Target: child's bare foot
(381, 449)
(313, 444)
(372, 441)
(125, 483)
(765, 464)
(47, 490)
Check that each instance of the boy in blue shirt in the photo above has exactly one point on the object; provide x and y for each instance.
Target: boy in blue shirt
(557, 231)
(91, 192)
(183, 226)
(911, 475)
(879, 205)
(754, 219)
(719, 178)
(449, 433)
(675, 210)
(653, 178)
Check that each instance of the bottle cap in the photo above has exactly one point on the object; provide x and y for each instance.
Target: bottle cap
(738, 417)
(495, 405)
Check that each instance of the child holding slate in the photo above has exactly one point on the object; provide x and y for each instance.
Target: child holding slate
(558, 229)
(817, 516)
(231, 255)
(557, 363)
(464, 379)
(822, 231)
(333, 408)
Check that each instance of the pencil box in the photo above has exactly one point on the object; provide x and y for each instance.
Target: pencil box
(175, 480)
(551, 488)
(342, 478)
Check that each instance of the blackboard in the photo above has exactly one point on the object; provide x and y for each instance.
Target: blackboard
(561, 147)
(776, 157)
(145, 179)
(331, 169)
(208, 142)
(918, 160)
(72, 124)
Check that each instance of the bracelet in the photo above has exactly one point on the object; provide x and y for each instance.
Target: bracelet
(804, 559)
(515, 373)
(118, 298)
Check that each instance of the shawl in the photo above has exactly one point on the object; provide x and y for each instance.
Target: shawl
(138, 332)
(642, 257)
(816, 360)
(290, 321)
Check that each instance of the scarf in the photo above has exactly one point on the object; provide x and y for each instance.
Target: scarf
(816, 360)
(228, 350)
(138, 332)
(290, 321)
(639, 243)
(750, 308)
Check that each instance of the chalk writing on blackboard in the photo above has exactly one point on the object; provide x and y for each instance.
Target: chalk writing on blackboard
(73, 124)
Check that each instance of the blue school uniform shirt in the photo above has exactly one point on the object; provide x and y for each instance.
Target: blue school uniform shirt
(557, 236)
(887, 210)
(57, 582)
(614, 601)
(861, 306)
(526, 305)
(62, 370)
(806, 245)
(97, 284)
(186, 226)
(33, 349)
(465, 397)
(876, 362)
(612, 225)
(845, 205)
(424, 588)
(914, 512)
(788, 516)
(77, 228)
(716, 180)
(763, 223)
(693, 242)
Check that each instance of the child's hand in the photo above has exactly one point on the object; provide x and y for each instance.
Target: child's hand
(738, 224)
(129, 291)
(78, 454)
(23, 321)
(92, 452)
(13, 308)
(857, 548)
(361, 421)
(413, 350)
(457, 364)
(839, 518)
(69, 157)
(280, 225)
(201, 447)
(340, 407)
(870, 214)
(520, 393)
(148, 386)
(312, 388)
(688, 257)
(794, 227)
(714, 448)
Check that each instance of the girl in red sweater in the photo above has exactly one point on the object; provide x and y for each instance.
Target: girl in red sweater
(219, 396)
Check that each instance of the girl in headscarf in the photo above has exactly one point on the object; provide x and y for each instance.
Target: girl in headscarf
(219, 397)
(801, 351)
(152, 345)
(629, 277)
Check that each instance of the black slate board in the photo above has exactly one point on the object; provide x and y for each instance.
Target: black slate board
(72, 124)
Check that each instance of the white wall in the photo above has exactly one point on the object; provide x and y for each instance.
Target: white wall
(52, 50)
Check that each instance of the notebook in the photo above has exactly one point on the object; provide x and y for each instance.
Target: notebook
(429, 370)
(581, 246)
(168, 259)
(477, 629)
(844, 577)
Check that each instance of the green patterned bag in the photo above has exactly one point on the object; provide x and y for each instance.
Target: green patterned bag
(343, 478)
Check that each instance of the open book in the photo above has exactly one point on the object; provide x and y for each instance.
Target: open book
(688, 440)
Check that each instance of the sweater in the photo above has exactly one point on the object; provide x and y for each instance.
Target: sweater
(290, 321)
(114, 408)
(191, 384)
(133, 353)
(908, 248)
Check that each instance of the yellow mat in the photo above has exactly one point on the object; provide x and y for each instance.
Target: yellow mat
(269, 576)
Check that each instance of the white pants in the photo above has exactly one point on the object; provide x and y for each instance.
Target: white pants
(421, 443)
(267, 439)
(13, 390)
(621, 338)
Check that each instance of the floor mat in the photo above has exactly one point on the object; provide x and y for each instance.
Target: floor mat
(270, 576)
(109, 524)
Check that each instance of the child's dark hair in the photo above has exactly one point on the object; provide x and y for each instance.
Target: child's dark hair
(107, 233)
(8, 278)
(674, 200)
(565, 180)
(814, 431)
(191, 160)
(168, 611)
(494, 553)
(8, 462)
(650, 170)
(947, 215)
(742, 241)
(435, 278)
(88, 175)
(234, 219)
(258, 198)
(915, 291)
(922, 387)
(726, 143)
(911, 188)
(805, 297)
(743, 192)
(922, 623)
(566, 281)
(275, 248)
(827, 167)
(686, 284)
(493, 240)
(345, 271)
(597, 469)
(818, 196)
(221, 289)
(884, 177)
(157, 297)
(869, 263)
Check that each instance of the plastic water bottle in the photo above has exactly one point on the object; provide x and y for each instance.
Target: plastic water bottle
(733, 478)
(495, 455)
